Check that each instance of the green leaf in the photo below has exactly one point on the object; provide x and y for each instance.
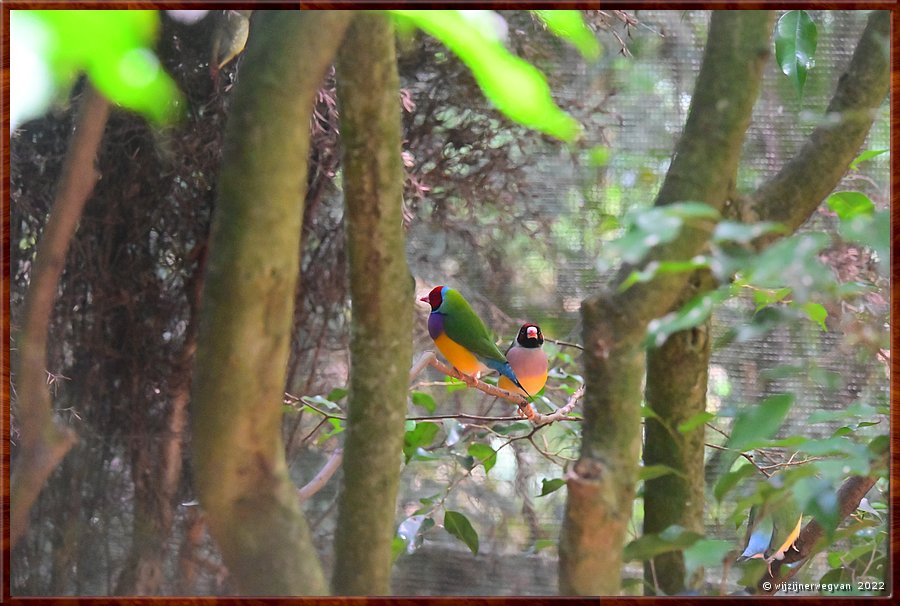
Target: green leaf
(410, 532)
(542, 544)
(760, 421)
(568, 24)
(655, 268)
(729, 480)
(696, 421)
(693, 313)
(421, 435)
(849, 204)
(548, 486)
(795, 46)
(459, 526)
(516, 87)
(816, 313)
(733, 231)
(673, 538)
(706, 553)
(873, 231)
(865, 156)
(485, 454)
(114, 48)
(336, 394)
(599, 155)
(424, 400)
(651, 472)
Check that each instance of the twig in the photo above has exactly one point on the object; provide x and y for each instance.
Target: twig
(747, 456)
(564, 343)
(321, 478)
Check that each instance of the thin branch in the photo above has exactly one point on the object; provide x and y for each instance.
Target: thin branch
(43, 442)
(747, 456)
(315, 485)
(564, 343)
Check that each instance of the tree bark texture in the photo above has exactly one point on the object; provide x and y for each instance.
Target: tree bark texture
(601, 485)
(790, 197)
(677, 376)
(43, 442)
(247, 307)
(382, 293)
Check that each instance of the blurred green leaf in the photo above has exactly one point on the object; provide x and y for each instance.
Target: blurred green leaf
(795, 46)
(816, 313)
(515, 86)
(873, 231)
(655, 268)
(849, 204)
(706, 553)
(569, 24)
(336, 394)
(485, 454)
(865, 156)
(548, 486)
(673, 538)
(516, 426)
(695, 421)
(730, 479)
(459, 526)
(114, 48)
(733, 231)
(818, 497)
(759, 422)
(424, 400)
(651, 472)
(599, 155)
(693, 313)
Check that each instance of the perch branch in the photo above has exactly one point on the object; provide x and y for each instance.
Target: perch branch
(43, 442)
(849, 495)
(315, 485)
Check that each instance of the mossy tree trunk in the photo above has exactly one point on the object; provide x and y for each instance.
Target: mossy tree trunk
(677, 372)
(247, 307)
(382, 293)
(601, 485)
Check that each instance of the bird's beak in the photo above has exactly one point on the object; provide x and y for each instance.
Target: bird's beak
(425, 299)
(532, 333)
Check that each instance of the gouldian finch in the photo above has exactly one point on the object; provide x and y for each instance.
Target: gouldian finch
(462, 337)
(772, 530)
(527, 359)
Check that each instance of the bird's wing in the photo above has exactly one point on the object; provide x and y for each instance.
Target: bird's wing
(464, 326)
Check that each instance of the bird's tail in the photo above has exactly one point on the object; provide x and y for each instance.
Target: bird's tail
(506, 370)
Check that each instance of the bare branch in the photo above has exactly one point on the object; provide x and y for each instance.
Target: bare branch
(315, 485)
(44, 444)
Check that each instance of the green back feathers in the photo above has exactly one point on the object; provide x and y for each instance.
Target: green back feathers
(463, 325)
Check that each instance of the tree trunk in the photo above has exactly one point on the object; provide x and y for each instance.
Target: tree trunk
(247, 307)
(601, 485)
(676, 391)
(382, 294)
(43, 442)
